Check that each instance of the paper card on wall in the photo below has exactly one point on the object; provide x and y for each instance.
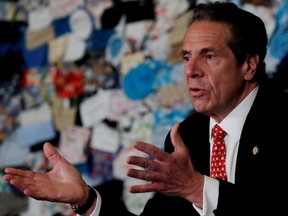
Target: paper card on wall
(35, 115)
(75, 48)
(63, 116)
(35, 126)
(140, 128)
(121, 106)
(33, 134)
(57, 48)
(61, 8)
(178, 30)
(174, 56)
(11, 154)
(95, 108)
(39, 18)
(105, 138)
(171, 9)
(81, 24)
(73, 141)
(159, 47)
(136, 32)
(35, 39)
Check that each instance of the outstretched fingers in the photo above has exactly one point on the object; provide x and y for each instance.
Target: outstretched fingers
(22, 179)
(151, 165)
(143, 162)
(150, 150)
(147, 169)
(17, 177)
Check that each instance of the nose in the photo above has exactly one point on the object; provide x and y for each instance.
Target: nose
(192, 69)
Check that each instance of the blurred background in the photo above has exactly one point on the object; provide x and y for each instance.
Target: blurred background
(91, 77)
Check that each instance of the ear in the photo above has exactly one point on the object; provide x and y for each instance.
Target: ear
(250, 67)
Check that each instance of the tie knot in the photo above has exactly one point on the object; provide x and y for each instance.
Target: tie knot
(218, 132)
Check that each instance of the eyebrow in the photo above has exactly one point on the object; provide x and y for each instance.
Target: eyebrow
(184, 52)
(203, 51)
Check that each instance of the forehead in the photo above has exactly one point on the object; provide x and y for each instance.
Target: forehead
(201, 34)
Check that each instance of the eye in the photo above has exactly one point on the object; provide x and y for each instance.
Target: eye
(185, 59)
(185, 55)
(210, 56)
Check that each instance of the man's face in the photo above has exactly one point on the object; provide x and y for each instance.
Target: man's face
(215, 83)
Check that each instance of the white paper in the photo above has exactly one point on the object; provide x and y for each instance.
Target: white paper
(105, 138)
(39, 18)
(75, 49)
(96, 108)
(81, 24)
(35, 115)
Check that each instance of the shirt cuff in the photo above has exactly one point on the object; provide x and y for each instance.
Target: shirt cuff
(97, 209)
(210, 195)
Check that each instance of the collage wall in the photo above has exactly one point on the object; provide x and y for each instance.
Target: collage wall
(93, 76)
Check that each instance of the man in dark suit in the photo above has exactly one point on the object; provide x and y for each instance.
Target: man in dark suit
(223, 51)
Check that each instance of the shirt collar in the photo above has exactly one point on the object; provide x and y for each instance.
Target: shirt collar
(233, 123)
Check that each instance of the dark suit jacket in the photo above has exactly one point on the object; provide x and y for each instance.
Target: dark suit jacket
(260, 181)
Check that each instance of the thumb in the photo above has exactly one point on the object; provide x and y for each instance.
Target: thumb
(180, 148)
(51, 153)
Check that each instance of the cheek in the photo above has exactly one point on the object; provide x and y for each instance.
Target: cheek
(220, 87)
